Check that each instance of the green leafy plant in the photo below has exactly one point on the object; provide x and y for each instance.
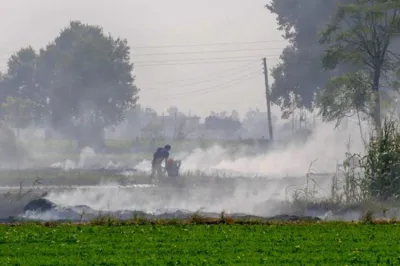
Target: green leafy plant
(382, 164)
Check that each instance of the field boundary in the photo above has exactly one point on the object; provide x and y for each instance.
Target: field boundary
(198, 219)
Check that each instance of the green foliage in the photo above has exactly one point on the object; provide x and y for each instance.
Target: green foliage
(300, 71)
(382, 163)
(345, 96)
(20, 82)
(21, 71)
(350, 35)
(89, 76)
(149, 244)
(354, 189)
(368, 217)
(359, 35)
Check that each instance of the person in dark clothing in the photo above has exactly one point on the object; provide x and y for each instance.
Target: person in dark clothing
(159, 156)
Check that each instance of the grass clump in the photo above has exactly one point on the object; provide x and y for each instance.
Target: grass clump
(368, 218)
(361, 182)
(382, 164)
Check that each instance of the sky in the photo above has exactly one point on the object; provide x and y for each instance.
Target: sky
(197, 55)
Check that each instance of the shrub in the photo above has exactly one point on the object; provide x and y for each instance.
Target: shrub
(382, 164)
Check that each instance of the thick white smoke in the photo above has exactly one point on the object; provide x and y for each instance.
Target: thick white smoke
(326, 147)
(242, 199)
(284, 166)
(89, 159)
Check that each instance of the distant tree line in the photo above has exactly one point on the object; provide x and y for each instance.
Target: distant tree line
(175, 124)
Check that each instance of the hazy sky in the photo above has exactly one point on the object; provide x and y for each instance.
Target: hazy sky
(184, 68)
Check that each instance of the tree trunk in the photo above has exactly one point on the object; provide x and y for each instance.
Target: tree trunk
(377, 103)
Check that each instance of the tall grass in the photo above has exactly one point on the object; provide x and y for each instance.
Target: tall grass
(361, 180)
(382, 164)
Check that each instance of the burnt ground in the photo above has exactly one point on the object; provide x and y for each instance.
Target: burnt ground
(53, 176)
(178, 198)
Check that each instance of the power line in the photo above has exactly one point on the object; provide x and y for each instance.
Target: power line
(213, 79)
(191, 45)
(209, 89)
(204, 44)
(194, 63)
(204, 52)
(200, 63)
(226, 86)
(196, 59)
(246, 66)
(202, 76)
(205, 81)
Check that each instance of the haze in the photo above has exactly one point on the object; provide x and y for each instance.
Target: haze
(196, 82)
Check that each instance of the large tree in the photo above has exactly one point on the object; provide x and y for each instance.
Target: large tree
(360, 34)
(88, 80)
(20, 84)
(300, 71)
(20, 75)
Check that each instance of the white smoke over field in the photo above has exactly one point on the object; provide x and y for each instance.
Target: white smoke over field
(281, 166)
(325, 148)
(326, 145)
(87, 158)
(239, 199)
(265, 198)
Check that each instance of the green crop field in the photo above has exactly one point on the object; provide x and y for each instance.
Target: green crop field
(309, 244)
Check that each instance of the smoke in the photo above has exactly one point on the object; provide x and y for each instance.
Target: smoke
(89, 159)
(238, 198)
(264, 198)
(286, 165)
(324, 149)
(283, 166)
(322, 152)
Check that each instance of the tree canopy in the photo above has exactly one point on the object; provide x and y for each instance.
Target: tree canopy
(360, 34)
(80, 83)
(300, 71)
(336, 48)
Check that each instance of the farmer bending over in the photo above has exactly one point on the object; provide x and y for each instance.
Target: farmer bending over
(159, 156)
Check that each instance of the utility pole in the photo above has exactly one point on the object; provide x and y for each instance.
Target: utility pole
(163, 123)
(271, 134)
(175, 124)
